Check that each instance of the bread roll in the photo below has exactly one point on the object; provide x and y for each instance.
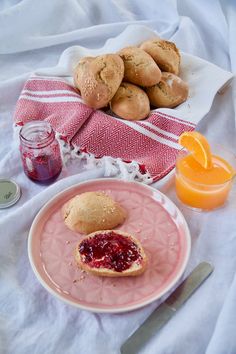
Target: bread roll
(111, 253)
(169, 92)
(100, 80)
(92, 211)
(165, 54)
(79, 70)
(130, 102)
(140, 68)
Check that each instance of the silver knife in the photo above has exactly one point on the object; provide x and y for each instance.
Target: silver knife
(167, 309)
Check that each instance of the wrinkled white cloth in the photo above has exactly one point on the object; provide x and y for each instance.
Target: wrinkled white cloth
(204, 79)
(33, 35)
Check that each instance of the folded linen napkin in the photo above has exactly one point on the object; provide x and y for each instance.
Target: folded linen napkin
(145, 150)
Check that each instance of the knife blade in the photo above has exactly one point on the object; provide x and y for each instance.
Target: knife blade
(167, 309)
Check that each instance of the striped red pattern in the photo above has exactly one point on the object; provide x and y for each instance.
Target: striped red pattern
(151, 142)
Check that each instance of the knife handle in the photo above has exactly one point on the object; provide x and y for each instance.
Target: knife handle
(166, 310)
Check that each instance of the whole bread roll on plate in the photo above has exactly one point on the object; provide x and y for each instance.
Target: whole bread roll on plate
(92, 211)
(79, 70)
(169, 92)
(111, 253)
(140, 68)
(100, 80)
(165, 54)
(130, 102)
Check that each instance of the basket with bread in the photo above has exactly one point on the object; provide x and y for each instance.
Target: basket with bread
(133, 80)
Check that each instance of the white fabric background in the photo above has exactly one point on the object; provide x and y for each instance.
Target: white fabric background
(33, 35)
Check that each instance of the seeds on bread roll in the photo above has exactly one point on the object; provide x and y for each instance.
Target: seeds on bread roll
(92, 211)
(79, 70)
(111, 253)
(169, 92)
(130, 102)
(165, 54)
(140, 68)
(100, 80)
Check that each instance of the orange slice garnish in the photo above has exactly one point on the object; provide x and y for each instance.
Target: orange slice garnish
(198, 145)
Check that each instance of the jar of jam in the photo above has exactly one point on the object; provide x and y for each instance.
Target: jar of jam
(40, 152)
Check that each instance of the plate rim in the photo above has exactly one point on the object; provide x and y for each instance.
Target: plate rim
(98, 309)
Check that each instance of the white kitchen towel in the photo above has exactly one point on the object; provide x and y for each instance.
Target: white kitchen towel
(205, 79)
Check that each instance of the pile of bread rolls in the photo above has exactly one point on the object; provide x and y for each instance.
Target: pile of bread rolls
(133, 79)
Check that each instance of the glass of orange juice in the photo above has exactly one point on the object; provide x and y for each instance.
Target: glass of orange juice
(205, 187)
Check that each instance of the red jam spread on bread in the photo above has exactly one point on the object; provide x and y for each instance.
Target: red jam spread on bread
(110, 250)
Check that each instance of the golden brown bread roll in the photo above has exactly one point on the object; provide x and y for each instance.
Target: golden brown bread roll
(79, 70)
(111, 253)
(130, 102)
(165, 54)
(92, 211)
(140, 68)
(169, 92)
(100, 80)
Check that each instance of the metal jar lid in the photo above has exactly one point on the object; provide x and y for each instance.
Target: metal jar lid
(9, 193)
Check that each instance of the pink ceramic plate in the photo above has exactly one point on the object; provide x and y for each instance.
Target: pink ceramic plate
(152, 218)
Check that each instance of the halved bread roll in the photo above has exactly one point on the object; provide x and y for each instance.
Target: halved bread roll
(92, 211)
(111, 253)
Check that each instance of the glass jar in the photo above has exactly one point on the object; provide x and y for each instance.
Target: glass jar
(40, 152)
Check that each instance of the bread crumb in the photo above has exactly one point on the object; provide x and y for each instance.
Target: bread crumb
(67, 242)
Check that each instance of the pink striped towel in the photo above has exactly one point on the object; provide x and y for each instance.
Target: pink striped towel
(151, 143)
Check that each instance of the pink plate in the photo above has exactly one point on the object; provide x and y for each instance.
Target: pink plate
(152, 218)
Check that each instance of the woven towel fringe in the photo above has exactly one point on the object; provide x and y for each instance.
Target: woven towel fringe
(113, 167)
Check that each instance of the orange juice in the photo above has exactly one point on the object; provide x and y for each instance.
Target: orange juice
(203, 188)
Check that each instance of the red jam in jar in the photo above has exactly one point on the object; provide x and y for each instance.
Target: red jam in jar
(110, 250)
(40, 152)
